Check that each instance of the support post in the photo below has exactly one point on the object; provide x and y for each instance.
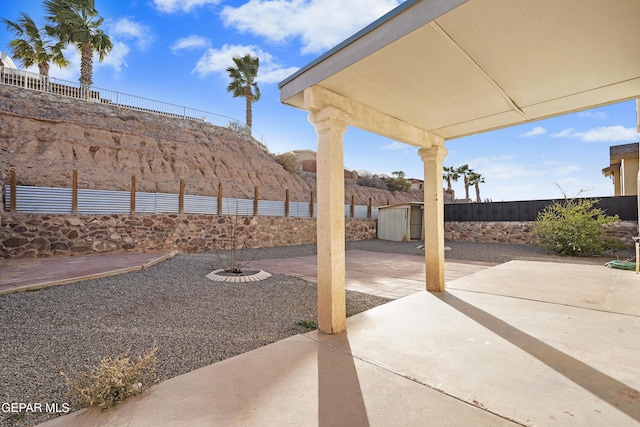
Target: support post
(181, 197)
(286, 203)
(255, 201)
(133, 194)
(352, 209)
(370, 208)
(74, 191)
(433, 216)
(13, 192)
(330, 127)
(219, 198)
(311, 206)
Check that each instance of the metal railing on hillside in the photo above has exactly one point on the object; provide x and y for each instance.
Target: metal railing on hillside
(36, 82)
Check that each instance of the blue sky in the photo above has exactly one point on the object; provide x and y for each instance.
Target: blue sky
(177, 51)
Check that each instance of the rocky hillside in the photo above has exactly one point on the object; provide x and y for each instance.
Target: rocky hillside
(45, 137)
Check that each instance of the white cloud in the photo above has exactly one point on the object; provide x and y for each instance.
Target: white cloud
(127, 29)
(115, 59)
(395, 146)
(119, 30)
(556, 168)
(319, 24)
(598, 115)
(188, 43)
(72, 71)
(218, 60)
(173, 6)
(536, 131)
(602, 134)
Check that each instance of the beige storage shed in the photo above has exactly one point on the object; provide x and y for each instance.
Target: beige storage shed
(401, 223)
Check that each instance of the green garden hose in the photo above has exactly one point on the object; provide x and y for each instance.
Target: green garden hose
(621, 265)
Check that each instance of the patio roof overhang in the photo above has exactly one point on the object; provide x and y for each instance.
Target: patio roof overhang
(433, 70)
(458, 67)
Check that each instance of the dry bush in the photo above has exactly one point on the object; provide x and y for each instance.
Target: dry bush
(113, 379)
(289, 161)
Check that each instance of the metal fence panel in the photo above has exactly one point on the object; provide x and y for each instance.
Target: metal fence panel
(167, 203)
(145, 202)
(270, 208)
(242, 207)
(360, 211)
(299, 209)
(47, 200)
(200, 204)
(103, 202)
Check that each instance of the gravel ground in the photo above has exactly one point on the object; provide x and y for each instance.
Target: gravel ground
(193, 321)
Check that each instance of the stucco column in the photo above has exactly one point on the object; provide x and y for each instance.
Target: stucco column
(433, 216)
(330, 128)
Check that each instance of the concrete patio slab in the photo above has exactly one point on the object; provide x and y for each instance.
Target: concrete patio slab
(381, 274)
(482, 353)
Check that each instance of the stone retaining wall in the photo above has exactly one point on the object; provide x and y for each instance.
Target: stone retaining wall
(31, 235)
(520, 232)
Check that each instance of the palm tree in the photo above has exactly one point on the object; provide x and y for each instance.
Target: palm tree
(465, 171)
(77, 22)
(450, 174)
(476, 179)
(244, 84)
(32, 45)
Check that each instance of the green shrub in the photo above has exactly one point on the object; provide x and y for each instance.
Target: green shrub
(397, 183)
(113, 380)
(574, 227)
(289, 161)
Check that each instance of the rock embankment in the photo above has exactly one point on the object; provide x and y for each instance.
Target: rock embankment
(45, 137)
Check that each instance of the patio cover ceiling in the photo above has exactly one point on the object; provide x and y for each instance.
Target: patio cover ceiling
(460, 67)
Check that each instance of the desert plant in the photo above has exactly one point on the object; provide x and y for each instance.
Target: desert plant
(371, 181)
(398, 182)
(574, 227)
(113, 379)
(238, 246)
(289, 161)
(308, 324)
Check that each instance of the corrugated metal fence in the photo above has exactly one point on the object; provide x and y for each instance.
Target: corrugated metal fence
(51, 200)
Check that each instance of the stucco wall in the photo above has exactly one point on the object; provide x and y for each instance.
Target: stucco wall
(30, 235)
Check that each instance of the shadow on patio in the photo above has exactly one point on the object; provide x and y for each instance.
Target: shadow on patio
(522, 343)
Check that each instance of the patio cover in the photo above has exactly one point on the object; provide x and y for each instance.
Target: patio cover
(433, 70)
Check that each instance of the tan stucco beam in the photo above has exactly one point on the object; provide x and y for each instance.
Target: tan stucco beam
(366, 118)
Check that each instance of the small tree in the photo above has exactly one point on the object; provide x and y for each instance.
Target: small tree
(574, 227)
(397, 183)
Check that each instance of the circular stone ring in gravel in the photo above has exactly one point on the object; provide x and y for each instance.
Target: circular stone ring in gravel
(256, 277)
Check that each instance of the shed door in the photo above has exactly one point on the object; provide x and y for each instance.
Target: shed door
(416, 223)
